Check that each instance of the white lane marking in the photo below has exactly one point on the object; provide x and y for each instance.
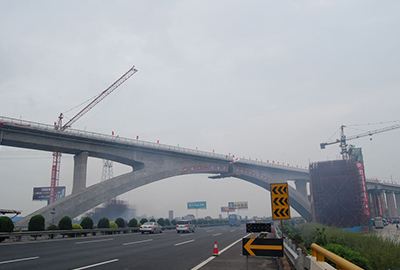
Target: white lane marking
(93, 241)
(233, 230)
(96, 264)
(213, 257)
(203, 263)
(19, 260)
(137, 242)
(210, 230)
(186, 242)
(217, 234)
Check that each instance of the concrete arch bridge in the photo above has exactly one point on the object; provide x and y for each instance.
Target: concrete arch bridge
(150, 162)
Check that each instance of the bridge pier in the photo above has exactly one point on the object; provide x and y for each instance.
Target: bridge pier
(390, 203)
(385, 212)
(301, 186)
(397, 198)
(80, 172)
(373, 205)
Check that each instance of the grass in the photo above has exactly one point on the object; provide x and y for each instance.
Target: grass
(381, 252)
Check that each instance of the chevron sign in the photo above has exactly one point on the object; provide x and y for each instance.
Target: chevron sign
(280, 201)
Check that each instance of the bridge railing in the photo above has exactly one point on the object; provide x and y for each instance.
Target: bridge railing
(109, 138)
(128, 141)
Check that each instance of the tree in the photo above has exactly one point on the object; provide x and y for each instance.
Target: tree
(87, 223)
(152, 220)
(161, 221)
(173, 222)
(120, 222)
(6, 225)
(133, 223)
(36, 223)
(167, 222)
(103, 223)
(113, 225)
(76, 226)
(143, 220)
(65, 223)
(52, 227)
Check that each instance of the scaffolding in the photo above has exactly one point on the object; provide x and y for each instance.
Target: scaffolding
(337, 197)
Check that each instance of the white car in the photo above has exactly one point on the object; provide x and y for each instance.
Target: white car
(184, 226)
(150, 227)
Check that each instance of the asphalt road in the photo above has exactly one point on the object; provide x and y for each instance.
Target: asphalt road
(167, 250)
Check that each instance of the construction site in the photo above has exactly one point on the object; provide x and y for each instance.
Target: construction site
(337, 194)
(338, 188)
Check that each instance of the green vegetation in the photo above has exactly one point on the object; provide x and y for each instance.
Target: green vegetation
(76, 226)
(103, 223)
(113, 225)
(133, 223)
(167, 222)
(36, 223)
(143, 221)
(367, 250)
(6, 225)
(120, 222)
(52, 227)
(65, 223)
(161, 221)
(87, 223)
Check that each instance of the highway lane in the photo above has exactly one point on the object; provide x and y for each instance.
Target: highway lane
(124, 251)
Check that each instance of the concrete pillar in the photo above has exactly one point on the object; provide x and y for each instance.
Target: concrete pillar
(385, 212)
(397, 196)
(301, 186)
(80, 171)
(372, 203)
(390, 203)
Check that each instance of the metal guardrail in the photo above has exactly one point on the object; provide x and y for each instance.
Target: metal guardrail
(342, 264)
(51, 233)
(122, 140)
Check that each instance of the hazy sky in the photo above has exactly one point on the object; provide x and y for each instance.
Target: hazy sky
(261, 79)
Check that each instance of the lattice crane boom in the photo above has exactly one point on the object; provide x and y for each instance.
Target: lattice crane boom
(55, 171)
(343, 139)
(100, 97)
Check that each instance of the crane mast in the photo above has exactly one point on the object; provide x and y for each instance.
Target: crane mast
(55, 170)
(343, 139)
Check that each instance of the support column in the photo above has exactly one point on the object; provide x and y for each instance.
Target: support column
(372, 203)
(397, 197)
(390, 202)
(80, 171)
(385, 212)
(301, 186)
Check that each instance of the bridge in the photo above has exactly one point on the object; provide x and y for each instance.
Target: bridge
(150, 162)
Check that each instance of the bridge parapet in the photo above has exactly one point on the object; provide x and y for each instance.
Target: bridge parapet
(109, 138)
(121, 140)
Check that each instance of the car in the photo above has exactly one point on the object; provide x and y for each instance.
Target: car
(150, 227)
(184, 226)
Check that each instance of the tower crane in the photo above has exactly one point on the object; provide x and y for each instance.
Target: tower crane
(343, 139)
(55, 171)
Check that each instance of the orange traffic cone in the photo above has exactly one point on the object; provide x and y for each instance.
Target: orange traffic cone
(215, 253)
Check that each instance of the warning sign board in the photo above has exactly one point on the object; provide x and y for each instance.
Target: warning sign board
(262, 247)
(280, 201)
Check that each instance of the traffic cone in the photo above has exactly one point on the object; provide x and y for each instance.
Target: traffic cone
(215, 253)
